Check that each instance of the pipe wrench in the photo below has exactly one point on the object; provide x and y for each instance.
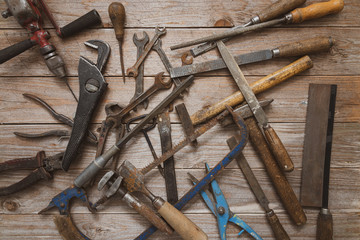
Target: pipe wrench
(92, 87)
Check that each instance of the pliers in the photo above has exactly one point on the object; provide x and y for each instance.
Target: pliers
(44, 166)
(220, 208)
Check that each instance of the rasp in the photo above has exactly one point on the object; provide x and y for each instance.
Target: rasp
(273, 140)
(272, 218)
(317, 154)
(300, 48)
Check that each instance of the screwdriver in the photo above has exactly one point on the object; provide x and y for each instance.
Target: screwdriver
(117, 15)
(298, 15)
(272, 11)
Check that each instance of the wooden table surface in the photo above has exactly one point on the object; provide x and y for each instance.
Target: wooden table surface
(185, 20)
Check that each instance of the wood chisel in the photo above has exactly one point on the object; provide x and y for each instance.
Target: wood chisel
(274, 10)
(275, 144)
(274, 222)
(298, 15)
(300, 48)
(317, 154)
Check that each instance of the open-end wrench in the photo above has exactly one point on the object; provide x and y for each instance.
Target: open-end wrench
(158, 48)
(139, 80)
(133, 71)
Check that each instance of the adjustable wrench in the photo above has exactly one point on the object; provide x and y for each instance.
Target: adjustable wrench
(133, 71)
(139, 80)
(158, 48)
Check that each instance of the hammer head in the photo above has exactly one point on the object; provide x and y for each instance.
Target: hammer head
(133, 179)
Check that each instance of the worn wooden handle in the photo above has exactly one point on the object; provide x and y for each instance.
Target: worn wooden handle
(279, 8)
(317, 10)
(282, 186)
(67, 228)
(278, 149)
(308, 46)
(278, 229)
(182, 225)
(324, 229)
(259, 86)
(117, 15)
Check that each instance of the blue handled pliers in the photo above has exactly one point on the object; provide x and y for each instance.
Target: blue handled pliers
(221, 210)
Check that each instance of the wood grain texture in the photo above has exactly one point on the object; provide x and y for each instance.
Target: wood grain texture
(185, 20)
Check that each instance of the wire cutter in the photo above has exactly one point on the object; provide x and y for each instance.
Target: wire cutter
(44, 168)
(220, 208)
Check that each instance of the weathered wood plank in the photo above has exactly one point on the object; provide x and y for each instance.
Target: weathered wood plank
(343, 59)
(212, 145)
(290, 97)
(184, 13)
(108, 226)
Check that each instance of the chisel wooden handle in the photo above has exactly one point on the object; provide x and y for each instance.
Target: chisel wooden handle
(324, 230)
(282, 186)
(277, 148)
(181, 224)
(304, 47)
(259, 86)
(278, 8)
(279, 231)
(316, 10)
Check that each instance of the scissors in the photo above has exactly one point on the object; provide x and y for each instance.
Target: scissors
(220, 208)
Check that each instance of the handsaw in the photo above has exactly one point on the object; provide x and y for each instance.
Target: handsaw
(317, 154)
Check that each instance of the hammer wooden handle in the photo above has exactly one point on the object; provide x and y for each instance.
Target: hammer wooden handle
(278, 149)
(301, 48)
(181, 224)
(316, 10)
(282, 186)
(278, 8)
(259, 86)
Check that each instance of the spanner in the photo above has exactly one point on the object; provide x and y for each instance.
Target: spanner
(133, 71)
(139, 80)
(158, 48)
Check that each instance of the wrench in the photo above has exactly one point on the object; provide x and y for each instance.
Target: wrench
(133, 71)
(158, 48)
(139, 80)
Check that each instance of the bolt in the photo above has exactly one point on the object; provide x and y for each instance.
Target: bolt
(62, 205)
(221, 210)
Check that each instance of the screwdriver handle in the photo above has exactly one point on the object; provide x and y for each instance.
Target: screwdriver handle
(117, 16)
(277, 148)
(304, 47)
(278, 8)
(181, 224)
(276, 226)
(316, 10)
(324, 230)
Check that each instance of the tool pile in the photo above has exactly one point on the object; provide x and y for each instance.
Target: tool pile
(241, 109)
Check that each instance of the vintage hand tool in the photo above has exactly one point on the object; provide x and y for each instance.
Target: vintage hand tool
(301, 48)
(44, 166)
(114, 118)
(164, 126)
(133, 71)
(259, 86)
(134, 182)
(29, 15)
(158, 48)
(298, 15)
(317, 155)
(220, 208)
(272, 218)
(60, 117)
(212, 174)
(275, 144)
(64, 223)
(114, 182)
(117, 16)
(139, 79)
(101, 161)
(276, 9)
(186, 123)
(92, 86)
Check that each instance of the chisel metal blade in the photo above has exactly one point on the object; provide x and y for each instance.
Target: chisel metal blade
(220, 64)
